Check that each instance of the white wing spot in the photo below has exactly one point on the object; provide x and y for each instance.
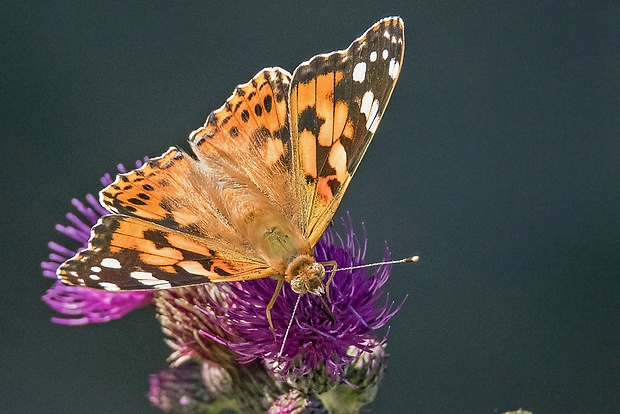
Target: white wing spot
(386, 34)
(359, 72)
(385, 54)
(367, 103)
(370, 120)
(96, 269)
(393, 39)
(141, 275)
(147, 278)
(393, 69)
(375, 124)
(94, 277)
(111, 263)
(373, 56)
(110, 287)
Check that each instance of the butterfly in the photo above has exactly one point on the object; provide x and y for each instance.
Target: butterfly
(267, 173)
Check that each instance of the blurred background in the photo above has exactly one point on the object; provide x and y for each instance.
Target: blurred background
(497, 162)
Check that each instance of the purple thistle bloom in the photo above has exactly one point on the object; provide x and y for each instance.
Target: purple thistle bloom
(83, 305)
(315, 340)
(324, 365)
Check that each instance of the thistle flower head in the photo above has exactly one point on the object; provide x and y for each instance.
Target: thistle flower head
(294, 402)
(180, 389)
(322, 362)
(315, 340)
(82, 305)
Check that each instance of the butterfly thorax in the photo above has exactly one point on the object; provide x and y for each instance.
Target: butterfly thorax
(306, 275)
(255, 217)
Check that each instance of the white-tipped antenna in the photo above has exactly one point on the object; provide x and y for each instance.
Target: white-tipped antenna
(405, 260)
(288, 328)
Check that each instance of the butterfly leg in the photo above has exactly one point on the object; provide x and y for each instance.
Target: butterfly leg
(332, 273)
(276, 293)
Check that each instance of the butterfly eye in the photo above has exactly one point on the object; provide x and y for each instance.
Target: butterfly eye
(298, 286)
(319, 270)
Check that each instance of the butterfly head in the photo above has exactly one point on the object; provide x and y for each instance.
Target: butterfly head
(306, 275)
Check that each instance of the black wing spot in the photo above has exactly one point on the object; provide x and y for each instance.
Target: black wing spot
(219, 271)
(136, 201)
(310, 121)
(334, 185)
(267, 103)
(245, 116)
(157, 237)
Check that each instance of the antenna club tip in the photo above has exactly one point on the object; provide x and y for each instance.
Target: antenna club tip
(412, 259)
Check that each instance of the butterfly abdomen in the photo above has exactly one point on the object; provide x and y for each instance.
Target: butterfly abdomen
(278, 242)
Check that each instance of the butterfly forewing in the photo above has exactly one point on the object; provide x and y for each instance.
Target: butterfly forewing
(251, 133)
(336, 103)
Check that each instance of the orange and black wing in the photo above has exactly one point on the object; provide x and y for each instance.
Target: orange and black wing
(336, 102)
(165, 231)
(128, 253)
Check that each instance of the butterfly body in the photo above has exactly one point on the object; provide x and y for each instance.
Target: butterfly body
(268, 171)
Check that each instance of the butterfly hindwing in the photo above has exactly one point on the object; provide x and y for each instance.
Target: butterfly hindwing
(127, 253)
(174, 192)
(336, 103)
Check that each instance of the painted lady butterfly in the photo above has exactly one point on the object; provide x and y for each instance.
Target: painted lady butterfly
(269, 171)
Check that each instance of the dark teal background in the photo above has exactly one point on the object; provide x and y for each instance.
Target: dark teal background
(497, 161)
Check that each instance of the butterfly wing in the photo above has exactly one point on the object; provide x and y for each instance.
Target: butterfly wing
(128, 253)
(166, 231)
(336, 102)
(176, 192)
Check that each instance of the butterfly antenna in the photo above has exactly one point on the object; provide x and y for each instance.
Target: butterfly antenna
(405, 260)
(288, 328)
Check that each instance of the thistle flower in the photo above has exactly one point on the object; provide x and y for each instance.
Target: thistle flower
(294, 402)
(324, 364)
(315, 341)
(365, 372)
(83, 305)
(180, 389)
